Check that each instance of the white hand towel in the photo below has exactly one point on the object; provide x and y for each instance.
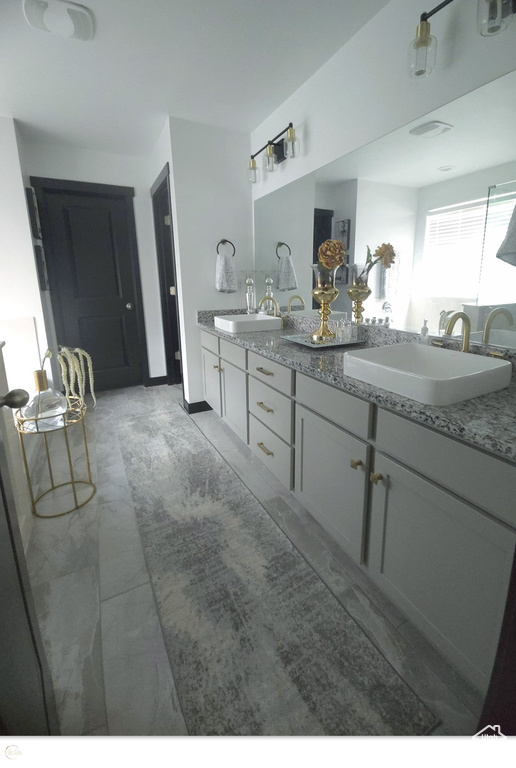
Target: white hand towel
(507, 250)
(287, 280)
(225, 274)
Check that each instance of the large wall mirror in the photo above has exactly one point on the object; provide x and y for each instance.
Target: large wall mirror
(426, 192)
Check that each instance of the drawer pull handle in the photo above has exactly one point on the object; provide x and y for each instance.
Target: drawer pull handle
(262, 447)
(265, 373)
(264, 407)
(356, 463)
(375, 477)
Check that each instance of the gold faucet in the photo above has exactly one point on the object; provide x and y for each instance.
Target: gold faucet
(289, 303)
(489, 321)
(274, 302)
(466, 328)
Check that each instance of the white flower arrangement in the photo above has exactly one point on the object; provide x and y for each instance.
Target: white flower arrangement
(73, 364)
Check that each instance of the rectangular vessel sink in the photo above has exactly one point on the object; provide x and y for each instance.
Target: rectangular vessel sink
(246, 323)
(428, 374)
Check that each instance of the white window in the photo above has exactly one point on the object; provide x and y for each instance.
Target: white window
(452, 255)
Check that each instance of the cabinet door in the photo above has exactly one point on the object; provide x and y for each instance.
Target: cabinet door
(234, 399)
(325, 482)
(211, 379)
(445, 564)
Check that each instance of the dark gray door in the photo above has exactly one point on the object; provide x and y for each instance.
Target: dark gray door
(27, 705)
(90, 249)
(160, 192)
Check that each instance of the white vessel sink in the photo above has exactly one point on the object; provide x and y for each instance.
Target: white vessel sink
(428, 374)
(497, 337)
(246, 323)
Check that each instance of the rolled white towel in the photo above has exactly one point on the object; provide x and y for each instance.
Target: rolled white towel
(507, 250)
(225, 272)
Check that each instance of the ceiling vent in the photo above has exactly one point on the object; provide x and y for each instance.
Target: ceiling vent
(432, 128)
(61, 18)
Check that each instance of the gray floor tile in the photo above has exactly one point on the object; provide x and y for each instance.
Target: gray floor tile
(140, 693)
(68, 611)
(122, 565)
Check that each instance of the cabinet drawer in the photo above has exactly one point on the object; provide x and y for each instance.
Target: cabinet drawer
(273, 374)
(272, 408)
(210, 342)
(233, 353)
(275, 454)
(484, 480)
(342, 409)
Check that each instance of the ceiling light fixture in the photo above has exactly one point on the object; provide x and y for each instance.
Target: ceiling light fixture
(493, 16)
(61, 18)
(275, 152)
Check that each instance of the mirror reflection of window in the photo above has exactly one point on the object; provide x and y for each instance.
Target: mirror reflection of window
(452, 254)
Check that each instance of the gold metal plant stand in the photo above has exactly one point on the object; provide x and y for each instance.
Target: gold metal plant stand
(74, 415)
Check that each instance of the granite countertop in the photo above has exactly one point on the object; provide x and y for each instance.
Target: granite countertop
(487, 422)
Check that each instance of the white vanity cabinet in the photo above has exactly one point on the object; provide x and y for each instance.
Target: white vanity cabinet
(211, 371)
(270, 415)
(224, 379)
(443, 561)
(332, 462)
(233, 381)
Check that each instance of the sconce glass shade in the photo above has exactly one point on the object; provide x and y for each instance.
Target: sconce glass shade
(253, 173)
(490, 18)
(291, 145)
(271, 161)
(422, 52)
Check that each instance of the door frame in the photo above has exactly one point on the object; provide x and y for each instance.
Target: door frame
(41, 185)
(173, 375)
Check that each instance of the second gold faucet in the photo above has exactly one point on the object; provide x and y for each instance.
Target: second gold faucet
(466, 328)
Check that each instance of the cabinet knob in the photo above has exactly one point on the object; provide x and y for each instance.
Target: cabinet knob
(356, 463)
(375, 477)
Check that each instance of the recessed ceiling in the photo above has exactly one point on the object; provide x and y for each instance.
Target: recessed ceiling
(227, 63)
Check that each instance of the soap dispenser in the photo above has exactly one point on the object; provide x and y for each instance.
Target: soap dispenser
(424, 333)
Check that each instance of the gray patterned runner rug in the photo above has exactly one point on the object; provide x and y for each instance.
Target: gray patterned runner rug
(258, 644)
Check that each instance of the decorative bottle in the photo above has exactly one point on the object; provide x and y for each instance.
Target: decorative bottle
(46, 407)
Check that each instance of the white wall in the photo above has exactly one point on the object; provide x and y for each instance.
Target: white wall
(19, 288)
(211, 200)
(364, 91)
(62, 162)
(386, 213)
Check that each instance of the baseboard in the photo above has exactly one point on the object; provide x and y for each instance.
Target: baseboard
(155, 382)
(196, 407)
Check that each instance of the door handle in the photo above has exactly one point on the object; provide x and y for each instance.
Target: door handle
(129, 305)
(16, 398)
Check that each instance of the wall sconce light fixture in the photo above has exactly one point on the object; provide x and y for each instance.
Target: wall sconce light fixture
(493, 16)
(275, 152)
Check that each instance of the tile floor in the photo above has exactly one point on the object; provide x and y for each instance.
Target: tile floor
(108, 660)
